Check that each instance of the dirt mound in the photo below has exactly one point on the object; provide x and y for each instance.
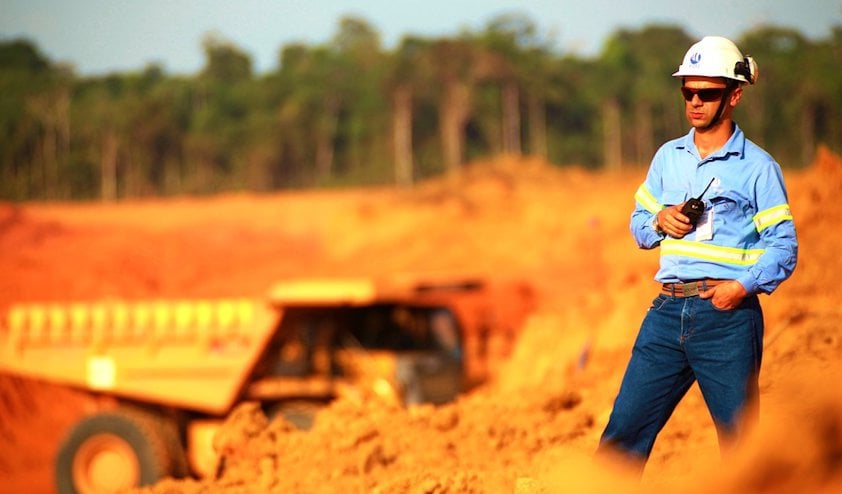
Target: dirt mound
(534, 426)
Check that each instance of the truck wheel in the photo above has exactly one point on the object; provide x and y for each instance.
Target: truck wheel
(111, 452)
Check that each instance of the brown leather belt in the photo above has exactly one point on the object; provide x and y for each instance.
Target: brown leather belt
(689, 289)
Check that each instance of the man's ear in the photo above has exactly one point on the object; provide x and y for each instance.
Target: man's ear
(736, 96)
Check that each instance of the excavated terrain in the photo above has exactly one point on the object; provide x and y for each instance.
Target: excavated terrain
(533, 426)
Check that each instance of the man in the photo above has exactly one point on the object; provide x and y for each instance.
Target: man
(706, 324)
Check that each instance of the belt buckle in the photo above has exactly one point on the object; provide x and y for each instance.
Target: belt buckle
(690, 289)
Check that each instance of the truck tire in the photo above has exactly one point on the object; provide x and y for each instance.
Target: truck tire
(176, 450)
(111, 452)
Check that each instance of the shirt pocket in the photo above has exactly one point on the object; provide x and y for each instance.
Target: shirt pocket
(728, 202)
(673, 197)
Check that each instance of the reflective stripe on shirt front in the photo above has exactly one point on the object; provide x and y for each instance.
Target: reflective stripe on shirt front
(710, 252)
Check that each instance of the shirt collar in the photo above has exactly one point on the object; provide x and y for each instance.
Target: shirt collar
(735, 145)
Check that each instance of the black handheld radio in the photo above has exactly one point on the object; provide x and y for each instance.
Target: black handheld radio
(694, 207)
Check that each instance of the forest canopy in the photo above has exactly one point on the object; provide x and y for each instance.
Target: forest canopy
(351, 111)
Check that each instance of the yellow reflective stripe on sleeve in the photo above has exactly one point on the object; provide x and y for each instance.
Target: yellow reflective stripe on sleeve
(771, 216)
(645, 198)
(708, 252)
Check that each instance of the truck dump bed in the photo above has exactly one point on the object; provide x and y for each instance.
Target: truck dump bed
(194, 355)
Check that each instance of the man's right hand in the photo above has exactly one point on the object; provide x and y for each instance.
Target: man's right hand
(673, 223)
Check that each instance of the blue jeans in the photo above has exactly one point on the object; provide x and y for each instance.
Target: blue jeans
(683, 340)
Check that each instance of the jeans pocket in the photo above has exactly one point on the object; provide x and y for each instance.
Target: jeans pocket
(658, 302)
(719, 309)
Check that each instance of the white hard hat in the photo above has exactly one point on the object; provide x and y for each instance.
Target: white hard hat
(715, 56)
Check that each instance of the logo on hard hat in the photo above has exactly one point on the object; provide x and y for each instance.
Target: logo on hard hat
(695, 58)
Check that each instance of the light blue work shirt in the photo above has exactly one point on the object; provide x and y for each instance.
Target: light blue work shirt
(747, 234)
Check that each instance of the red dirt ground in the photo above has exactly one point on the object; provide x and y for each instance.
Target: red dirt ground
(534, 425)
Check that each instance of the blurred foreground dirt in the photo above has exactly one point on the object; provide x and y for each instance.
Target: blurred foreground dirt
(533, 427)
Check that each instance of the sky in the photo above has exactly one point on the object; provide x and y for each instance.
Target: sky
(102, 36)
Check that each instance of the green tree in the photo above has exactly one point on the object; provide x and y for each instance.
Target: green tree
(638, 65)
(34, 122)
(574, 100)
(517, 59)
(313, 106)
(224, 62)
(348, 111)
(221, 107)
(823, 108)
(780, 109)
(406, 80)
(454, 73)
(363, 123)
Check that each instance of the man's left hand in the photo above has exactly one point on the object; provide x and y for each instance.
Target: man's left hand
(725, 296)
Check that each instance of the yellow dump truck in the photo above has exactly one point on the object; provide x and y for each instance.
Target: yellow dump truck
(167, 373)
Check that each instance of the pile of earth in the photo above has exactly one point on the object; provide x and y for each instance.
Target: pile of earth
(534, 425)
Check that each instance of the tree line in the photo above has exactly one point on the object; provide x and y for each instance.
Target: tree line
(350, 111)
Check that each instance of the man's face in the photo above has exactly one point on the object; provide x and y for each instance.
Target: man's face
(702, 96)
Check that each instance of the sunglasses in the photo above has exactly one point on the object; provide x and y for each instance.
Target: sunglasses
(706, 95)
